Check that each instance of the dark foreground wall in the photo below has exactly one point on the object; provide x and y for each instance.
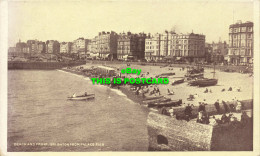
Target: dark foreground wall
(42, 65)
(169, 134)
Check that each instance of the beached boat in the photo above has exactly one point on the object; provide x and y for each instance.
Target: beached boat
(194, 70)
(199, 75)
(195, 82)
(83, 97)
(166, 104)
(163, 99)
(164, 66)
(178, 81)
(164, 75)
(153, 97)
(207, 82)
(203, 82)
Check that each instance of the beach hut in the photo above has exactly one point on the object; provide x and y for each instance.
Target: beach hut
(103, 70)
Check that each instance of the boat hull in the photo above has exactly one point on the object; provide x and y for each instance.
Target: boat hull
(166, 104)
(163, 99)
(210, 82)
(178, 82)
(92, 96)
(153, 97)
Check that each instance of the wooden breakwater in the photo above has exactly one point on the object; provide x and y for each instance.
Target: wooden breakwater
(42, 65)
(169, 134)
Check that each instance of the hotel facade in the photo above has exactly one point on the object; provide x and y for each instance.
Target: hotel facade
(104, 45)
(171, 45)
(130, 46)
(240, 51)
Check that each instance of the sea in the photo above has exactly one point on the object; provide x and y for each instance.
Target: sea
(40, 118)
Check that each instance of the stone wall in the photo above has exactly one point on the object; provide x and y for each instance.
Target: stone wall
(167, 133)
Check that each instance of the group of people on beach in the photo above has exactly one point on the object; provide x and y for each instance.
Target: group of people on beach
(230, 89)
(145, 89)
(204, 118)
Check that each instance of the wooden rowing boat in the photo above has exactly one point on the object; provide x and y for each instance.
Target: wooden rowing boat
(178, 82)
(166, 104)
(90, 96)
(207, 82)
(163, 99)
(153, 97)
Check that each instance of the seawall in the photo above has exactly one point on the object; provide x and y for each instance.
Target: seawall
(42, 65)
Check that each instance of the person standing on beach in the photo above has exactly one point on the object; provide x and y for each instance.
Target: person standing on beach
(217, 106)
(225, 106)
(239, 106)
(201, 107)
(188, 112)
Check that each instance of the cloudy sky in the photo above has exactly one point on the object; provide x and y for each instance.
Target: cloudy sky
(68, 20)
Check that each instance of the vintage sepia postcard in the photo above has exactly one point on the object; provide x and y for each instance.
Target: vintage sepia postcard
(121, 75)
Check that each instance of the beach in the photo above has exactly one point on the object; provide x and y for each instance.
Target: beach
(182, 91)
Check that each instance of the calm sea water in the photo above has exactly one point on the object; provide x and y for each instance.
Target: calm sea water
(40, 118)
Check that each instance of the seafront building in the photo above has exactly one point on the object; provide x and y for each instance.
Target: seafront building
(241, 43)
(41, 47)
(219, 52)
(65, 47)
(190, 47)
(52, 47)
(93, 46)
(208, 52)
(157, 46)
(11, 49)
(80, 46)
(130, 46)
(33, 46)
(105, 45)
(21, 47)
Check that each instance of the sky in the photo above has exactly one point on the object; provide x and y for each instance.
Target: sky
(69, 20)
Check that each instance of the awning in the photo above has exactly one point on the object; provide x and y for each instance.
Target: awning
(168, 57)
(107, 55)
(125, 56)
(178, 58)
(94, 55)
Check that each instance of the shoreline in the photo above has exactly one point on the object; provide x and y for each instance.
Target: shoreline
(184, 91)
(124, 89)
